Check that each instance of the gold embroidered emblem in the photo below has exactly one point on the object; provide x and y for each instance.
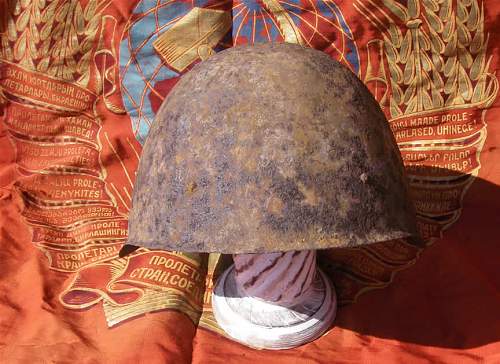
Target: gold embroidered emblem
(289, 30)
(432, 78)
(192, 37)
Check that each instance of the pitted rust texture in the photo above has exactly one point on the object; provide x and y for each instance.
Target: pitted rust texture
(268, 148)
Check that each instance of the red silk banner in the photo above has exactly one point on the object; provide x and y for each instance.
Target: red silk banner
(80, 84)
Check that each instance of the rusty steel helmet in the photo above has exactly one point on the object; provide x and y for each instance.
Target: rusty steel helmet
(265, 148)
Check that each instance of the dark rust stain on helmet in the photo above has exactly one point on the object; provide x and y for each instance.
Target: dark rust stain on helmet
(273, 147)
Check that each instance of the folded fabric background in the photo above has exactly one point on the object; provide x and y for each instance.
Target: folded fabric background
(80, 84)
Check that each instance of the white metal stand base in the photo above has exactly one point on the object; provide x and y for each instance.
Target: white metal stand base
(264, 325)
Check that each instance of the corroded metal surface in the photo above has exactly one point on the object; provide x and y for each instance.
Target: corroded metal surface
(269, 148)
